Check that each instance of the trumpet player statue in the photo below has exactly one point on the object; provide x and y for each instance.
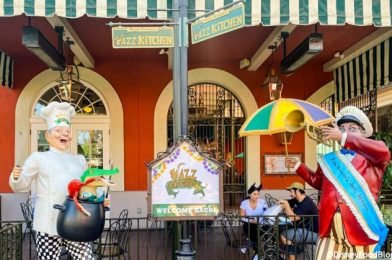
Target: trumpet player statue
(350, 222)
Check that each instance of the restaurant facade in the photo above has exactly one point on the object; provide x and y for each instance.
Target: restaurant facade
(124, 99)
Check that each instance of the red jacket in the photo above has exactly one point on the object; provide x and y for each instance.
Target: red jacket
(370, 161)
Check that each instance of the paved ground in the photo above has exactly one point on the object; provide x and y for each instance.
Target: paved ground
(211, 244)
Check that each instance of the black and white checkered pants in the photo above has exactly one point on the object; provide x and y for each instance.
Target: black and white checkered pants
(49, 248)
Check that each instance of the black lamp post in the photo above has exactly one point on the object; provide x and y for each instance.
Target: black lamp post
(185, 252)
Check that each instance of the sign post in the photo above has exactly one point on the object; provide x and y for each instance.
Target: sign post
(199, 184)
(180, 95)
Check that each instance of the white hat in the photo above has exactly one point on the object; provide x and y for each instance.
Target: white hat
(354, 114)
(58, 114)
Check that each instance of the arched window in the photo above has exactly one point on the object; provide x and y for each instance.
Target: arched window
(85, 100)
(90, 126)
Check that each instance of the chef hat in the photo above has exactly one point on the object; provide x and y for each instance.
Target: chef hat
(58, 114)
(355, 115)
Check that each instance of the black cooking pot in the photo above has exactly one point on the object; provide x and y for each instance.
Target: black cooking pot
(74, 225)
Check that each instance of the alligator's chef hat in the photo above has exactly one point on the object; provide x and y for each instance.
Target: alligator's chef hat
(355, 115)
(58, 114)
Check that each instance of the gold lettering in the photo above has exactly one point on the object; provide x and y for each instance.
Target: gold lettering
(173, 174)
(214, 28)
(123, 41)
(140, 40)
(181, 175)
(155, 40)
(226, 24)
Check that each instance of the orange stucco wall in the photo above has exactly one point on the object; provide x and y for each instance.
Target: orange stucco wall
(139, 84)
(24, 71)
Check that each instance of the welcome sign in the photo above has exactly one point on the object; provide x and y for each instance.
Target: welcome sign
(184, 183)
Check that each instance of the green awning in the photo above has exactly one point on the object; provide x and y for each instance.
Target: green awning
(370, 70)
(6, 70)
(266, 12)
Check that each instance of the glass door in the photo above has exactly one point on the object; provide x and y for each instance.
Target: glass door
(92, 141)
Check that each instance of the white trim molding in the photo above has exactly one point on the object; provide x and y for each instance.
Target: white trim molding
(44, 80)
(228, 81)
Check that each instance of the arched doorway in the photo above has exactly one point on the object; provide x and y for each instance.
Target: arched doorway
(25, 118)
(229, 82)
(215, 117)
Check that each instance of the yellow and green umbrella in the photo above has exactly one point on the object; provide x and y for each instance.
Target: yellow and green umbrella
(270, 119)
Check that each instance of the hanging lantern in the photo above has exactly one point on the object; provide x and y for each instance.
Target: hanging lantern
(272, 81)
(275, 85)
(69, 84)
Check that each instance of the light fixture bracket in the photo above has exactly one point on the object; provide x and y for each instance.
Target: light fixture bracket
(306, 50)
(36, 43)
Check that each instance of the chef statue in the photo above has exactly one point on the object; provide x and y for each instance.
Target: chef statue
(52, 171)
(351, 224)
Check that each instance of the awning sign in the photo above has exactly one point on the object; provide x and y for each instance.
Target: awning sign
(142, 37)
(218, 23)
(185, 184)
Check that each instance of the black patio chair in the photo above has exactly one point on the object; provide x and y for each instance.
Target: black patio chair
(315, 197)
(123, 214)
(301, 247)
(270, 200)
(116, 241)
(27, 212)
(228, 232)
(233, 238)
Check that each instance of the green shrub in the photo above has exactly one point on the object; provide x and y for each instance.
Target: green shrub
(387, 215)
(387, 179)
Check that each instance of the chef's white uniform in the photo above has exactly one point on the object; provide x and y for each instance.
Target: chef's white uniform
(52, 171)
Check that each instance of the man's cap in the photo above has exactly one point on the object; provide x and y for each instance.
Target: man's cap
(58, 114)
(296, 185)
(357, 116)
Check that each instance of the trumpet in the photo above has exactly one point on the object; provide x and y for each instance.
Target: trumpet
(295, 121)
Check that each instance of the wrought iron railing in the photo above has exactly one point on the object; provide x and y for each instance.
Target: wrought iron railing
(225, 236)
(10, 241)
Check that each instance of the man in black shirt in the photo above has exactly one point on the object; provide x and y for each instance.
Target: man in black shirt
(303, 229)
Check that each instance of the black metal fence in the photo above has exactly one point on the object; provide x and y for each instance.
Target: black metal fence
(228, 236)
(10, 241)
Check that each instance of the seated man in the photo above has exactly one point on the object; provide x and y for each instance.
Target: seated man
(303, 230)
